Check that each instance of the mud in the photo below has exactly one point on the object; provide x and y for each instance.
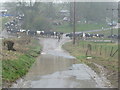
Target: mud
(55, 68)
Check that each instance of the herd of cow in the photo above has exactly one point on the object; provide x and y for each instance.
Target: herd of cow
(15, 23)
(44, 33)
(57, 34)
(89, 35)
(14, 27)
(85, 35)
(37, 33)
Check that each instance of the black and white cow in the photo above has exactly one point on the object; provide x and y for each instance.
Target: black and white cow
(32, 33)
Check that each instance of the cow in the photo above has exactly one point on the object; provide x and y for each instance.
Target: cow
(113, 36)
(38, 32)
(31, 33)
(70, 35)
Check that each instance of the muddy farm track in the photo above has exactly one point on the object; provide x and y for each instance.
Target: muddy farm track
(55, 68)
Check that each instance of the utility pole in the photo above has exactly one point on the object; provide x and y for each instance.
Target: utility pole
(74, 24)
(112, 21)
(70, 13)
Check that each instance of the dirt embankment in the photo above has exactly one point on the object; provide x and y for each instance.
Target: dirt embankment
(16, 64)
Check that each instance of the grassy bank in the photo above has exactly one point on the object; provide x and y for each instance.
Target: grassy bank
(100, 53)
(66, 28)
(20, 61)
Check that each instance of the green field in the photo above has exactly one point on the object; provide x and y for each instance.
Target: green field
(66, 28)
(100, 53)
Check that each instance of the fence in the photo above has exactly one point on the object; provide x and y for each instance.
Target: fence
(99, 49)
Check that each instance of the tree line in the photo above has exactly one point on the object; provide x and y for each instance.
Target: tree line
(39, 15)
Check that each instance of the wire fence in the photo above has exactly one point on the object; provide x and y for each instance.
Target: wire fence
(101, 50)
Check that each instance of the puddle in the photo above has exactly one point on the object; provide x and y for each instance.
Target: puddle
(48, 64)
(55, 68)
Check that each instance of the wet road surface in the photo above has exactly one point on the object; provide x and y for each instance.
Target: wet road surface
(55, 68)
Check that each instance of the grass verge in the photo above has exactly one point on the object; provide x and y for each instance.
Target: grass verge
(100, 56)
(15, 68)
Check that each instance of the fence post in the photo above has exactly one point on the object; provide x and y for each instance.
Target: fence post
(105, 51)
(83, 44)
(89, 48)
(100, 50)
(111, 51)
(97, 49)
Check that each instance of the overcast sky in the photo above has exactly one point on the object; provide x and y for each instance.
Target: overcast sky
(63, 0)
